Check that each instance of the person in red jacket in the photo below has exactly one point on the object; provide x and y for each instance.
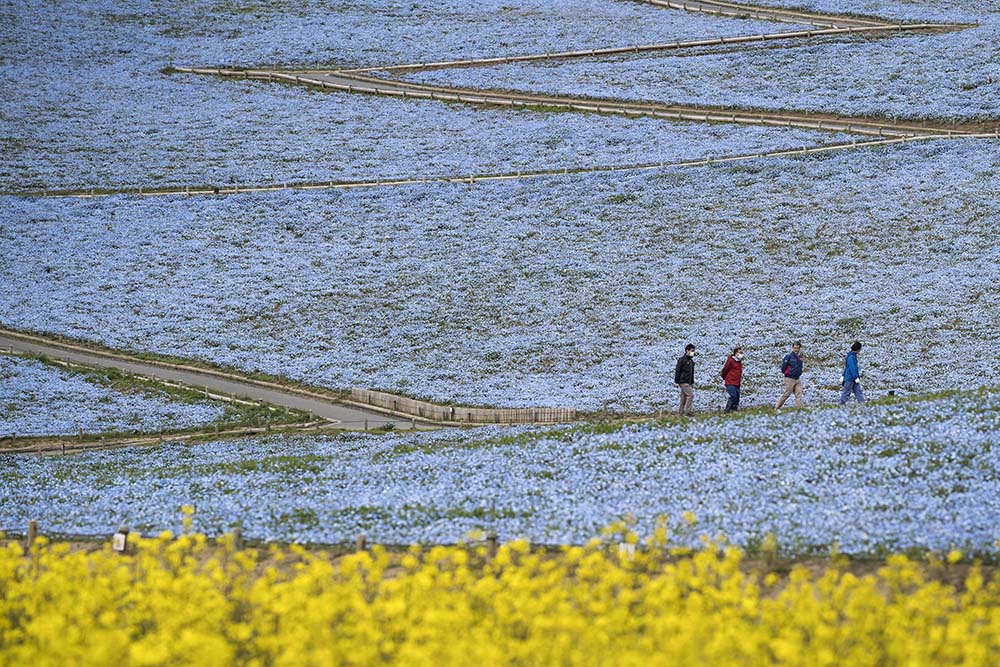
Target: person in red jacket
(732, 376)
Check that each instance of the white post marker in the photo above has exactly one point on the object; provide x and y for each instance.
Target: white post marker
(119, 541)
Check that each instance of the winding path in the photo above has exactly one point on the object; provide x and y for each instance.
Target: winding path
(337, 413)
(360, 80)
(359, 409)
(882, 131)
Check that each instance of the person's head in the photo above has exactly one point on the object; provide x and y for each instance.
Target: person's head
(856, 347)
(796, 347)
(738, 353)
(689, 349)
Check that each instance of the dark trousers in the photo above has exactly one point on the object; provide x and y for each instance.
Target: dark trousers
(734, 398)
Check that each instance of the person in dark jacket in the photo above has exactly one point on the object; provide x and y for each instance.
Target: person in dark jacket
(732, 376)
(684, 379)
(791, 369)
(852, 376)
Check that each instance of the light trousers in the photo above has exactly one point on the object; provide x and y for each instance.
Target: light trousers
(687, 399)
(792, 386)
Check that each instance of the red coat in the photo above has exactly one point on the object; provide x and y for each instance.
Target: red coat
(732, 371)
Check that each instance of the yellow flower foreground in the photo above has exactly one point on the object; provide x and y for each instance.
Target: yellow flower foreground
(185, 601)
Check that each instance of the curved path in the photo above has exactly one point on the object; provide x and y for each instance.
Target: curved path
(362, 411)
(336, 412)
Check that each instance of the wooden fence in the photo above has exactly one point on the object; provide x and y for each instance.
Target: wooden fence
(460, 415)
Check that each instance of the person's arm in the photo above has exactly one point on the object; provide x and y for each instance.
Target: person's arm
(786, 366)
(726, 367)
(677, 371)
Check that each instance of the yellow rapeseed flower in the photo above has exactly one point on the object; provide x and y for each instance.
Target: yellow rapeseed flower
(186, 601)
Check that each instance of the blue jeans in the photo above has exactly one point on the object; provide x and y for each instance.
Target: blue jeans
(734, 398)
(852, 387)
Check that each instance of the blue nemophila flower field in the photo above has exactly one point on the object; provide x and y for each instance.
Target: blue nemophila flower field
(917, 474)
(573, 291)
(88, 105)
(37, 399)
(951, 75)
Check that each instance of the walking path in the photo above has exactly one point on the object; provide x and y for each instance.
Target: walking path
(337, 413)
(868, 31)
(864, 125)
(363, 410)
(736, 10)
(233, 189)
(358, 80)
(883, 130)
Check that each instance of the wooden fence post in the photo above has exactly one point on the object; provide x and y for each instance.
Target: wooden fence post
(491, 545)
(362, 542)
(32, 533)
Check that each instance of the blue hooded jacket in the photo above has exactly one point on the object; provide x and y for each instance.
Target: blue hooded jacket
(851, 371)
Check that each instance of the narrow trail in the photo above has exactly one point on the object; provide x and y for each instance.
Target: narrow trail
(362, 411)
(336, 413)
(765, 13)
(864, 125)
(360, 81)
(798, 35)
(487, 177)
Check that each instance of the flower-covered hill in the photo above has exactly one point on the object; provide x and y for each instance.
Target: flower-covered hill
(920, 473)
(88, 104)
(939, 75)
(38, 399)
(576, 291)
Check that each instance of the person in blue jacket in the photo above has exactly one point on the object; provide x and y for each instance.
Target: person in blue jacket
(852, 376)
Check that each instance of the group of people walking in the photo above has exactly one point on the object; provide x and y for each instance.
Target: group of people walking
(791, 370)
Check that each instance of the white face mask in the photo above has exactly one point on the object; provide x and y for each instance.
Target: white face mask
(739, 357)
(690, 353)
